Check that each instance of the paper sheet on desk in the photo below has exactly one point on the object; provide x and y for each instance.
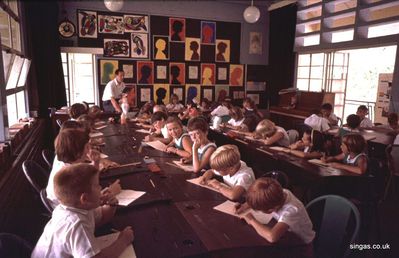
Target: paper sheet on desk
(185, 167)
(318, 162)
(277, 148)
(157, 145)
(100, 127)
(252, 138)
(196, 182)
(229, 208)
(93, 135)
(107, 240)
(125, 197)
(103, 156)
(143, 131)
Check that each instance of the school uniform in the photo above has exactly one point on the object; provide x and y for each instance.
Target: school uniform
(220, 111)
(366, 123)
(317, 123)
(179, 142)
(69, 233)
(285, 141)
(244, 177)
(57, 166)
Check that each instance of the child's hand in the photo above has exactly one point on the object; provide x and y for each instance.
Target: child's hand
(106, 164)
(335, 164)
(240, 208)
(126, 236)
(94, 155)
(196, 145)
(249, 218)
(115, 188)
(324, 159)
(214, 183)
(171, 150)
(186, 160)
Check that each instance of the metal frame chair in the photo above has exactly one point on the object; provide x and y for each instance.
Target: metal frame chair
(45, 200)
(280, 176)
(48, 157)
(35, 174)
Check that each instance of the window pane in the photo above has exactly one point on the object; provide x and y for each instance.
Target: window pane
(318, 59)
(7, 61)
(16, 35)
(4, 28)
(302, 84)
(316, 72)
(83, 70)
(84, 90)
(339, 99)
(315, 85)
(24, 73)
(83, 58)
(21, 104)
(13, 4)
(304, 60)
(65, 69)
(64, 57)
(303, 72)
(15, 71)
(338, 86)
(11, 110)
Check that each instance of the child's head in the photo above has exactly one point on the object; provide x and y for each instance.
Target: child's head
(78, 186)
(197, 128)
(236, 113)
(86, 121)
(174, 99)
(353, 143)
(265, 129)
(160, 108)
(71, 145)
(265, 194)
(205, 103)
(191, 104)
(250, 122)
(353, 121)
(76, 110)
(174, 126)
(362, 111)
(72, 124)
(94, 112)
(158, 120)
(248, 103)
(226, 102)
(313, 139)
(147, 108)
(393, 119)
(226, 159)
(326, 109)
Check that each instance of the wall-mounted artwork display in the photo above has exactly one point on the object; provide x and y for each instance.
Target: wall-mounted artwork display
(177, 73)
(145, 72)
(161, 94)
(136, 23)
(255, 43)
(238, 94)
(193, 49)
(128, 70)
(208, 32)
(179, 91)
(222, 50)
(221, 92)
(87, 24)
(107, 70)
(145, 94)
(254, 97)
(236, 75)
(193, 92)
(131, 92)
(110, 24)
(255, 86)
(177, 29)
(208, 74)
(161, 72)
(160, 47)
(139, 45)
(207, 94)
(116, 47)
(222, 73)
(193, 72)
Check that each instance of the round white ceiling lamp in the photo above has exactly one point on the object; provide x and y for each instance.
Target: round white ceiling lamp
(251, 13)
(113, 5)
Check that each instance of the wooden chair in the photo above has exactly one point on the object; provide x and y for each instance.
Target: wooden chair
(35, 174)
(336, 222)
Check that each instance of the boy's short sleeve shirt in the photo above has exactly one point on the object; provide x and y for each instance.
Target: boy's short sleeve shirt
(244, 177)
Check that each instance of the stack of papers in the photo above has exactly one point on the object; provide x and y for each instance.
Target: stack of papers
(228, 207)
(157, 145)
(125, 197)
(107, 240)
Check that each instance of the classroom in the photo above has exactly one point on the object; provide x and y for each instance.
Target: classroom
(186, 128)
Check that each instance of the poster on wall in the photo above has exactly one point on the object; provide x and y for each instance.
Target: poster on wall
(178, 91)
(177, 29)
(208, 74)
(145, 72)
(254, 97)
(177, 73)
(131, 91)
(222, 53)
(139, 45)
(107, 70)
(160, 47)
(193, 92)
(207, 94)
(87, 24)
(135, 23)
(161, 72)
(128, 70)
(255, 86)
(208, 32)
(222, 73)
(236, 75)
(116, 47)
(221, 92)
(193, 72)
(161, 94)
(193, 49)
(145, 94)
(110, 24)
(255, 43)
(383, 98)
(239, 94)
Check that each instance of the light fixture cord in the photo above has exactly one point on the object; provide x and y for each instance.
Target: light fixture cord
(252, 2)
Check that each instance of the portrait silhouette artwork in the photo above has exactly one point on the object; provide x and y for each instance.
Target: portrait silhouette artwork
(160, 49)
(236, 76)
(175, 72)
(145, 74)
(192, 93)
(207, 75)
(194, 46)
(161, 94)
(221, 50)
(208, 32)
(177, 30)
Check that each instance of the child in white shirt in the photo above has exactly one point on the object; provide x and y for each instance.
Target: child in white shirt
(226, 162)
(272, 134)
(70, 232)
(174, 105)
(317, 122)
(362, 112)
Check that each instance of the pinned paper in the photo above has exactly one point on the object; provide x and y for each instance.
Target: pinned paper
(107, 240)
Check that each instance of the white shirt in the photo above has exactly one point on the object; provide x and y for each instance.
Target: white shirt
(174, 107)
(294, 214)
(165, 132)
(69, 233)
(233, 122)
(317, 123)
(220, 111)
(113, 89)
(57, 166)
(396, 141)
(333, 117)
(243, 177)
(366, 123)
(285, 141)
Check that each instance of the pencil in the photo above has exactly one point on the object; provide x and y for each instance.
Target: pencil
(153, 185)
(129, 164)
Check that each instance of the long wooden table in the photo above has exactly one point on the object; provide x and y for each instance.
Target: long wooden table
(176, 218)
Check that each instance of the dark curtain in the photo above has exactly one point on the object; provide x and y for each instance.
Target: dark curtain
(46, 80)
(281, 53)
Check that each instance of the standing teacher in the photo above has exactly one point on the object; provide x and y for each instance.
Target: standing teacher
(113, 92)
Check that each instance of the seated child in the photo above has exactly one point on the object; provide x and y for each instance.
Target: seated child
(181, 143)
(267, 195)
(202, 148)
(159, 108)
(310, 147)
(352, 125)
(144, 115)
(86, 121)
(362, 112)
(174, 105)
(250, 109)
(76, 110)
(190, 112)
(70, 232)
(326, 111)
(222, 109)
(95, 112)
(237, 118)
(271, 134)
(226, 162)
(352, 157)
(317, 122)
(392, 122)
(159, 132)
(71, 147)
(205, 105)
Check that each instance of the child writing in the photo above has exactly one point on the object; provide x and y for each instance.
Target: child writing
(226, 162)
(181, 143)
(267, 195)
(271, 134)
(70, 232)
(202, 147)
(159, 132)
(352, 157)
(362, 112)
(237, 118)
(309, 147)
(174, 105)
